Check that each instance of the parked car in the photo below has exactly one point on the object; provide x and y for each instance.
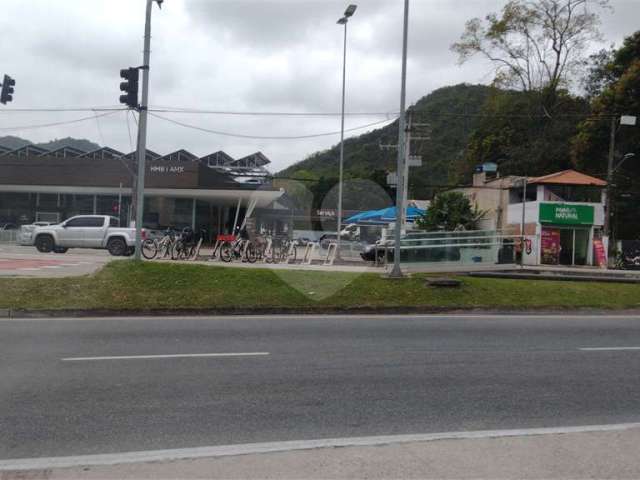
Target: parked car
(86, 231)
(25, 237)
(327, 238)
(8, 226)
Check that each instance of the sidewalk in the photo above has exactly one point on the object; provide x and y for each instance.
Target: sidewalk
(602, 454)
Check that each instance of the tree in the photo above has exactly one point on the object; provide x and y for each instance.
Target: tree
(614, 83)
(450, 211)
(534, 45)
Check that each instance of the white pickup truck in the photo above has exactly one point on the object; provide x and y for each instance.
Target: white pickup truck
(86, 231)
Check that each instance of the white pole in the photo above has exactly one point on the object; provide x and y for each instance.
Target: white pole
(522, 226)
(340, 179)
(235, 221)
(142, 130)
(396, 272)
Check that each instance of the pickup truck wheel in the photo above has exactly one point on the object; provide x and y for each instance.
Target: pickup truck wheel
(117, 247)
(44, 243)
(130, 251)
(60, 250)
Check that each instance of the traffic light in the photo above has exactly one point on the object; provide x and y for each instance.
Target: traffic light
(7, 89)
(130, 87)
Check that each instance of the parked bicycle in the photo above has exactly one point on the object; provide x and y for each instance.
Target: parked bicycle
(186, 245)
(152, 247)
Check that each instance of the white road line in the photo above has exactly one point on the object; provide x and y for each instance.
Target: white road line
(53, 266)
(607, 349)
(30, 269)
(153, 357)
(255, 448)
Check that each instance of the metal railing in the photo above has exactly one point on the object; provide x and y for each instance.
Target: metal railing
(466, 248)
(9, 236)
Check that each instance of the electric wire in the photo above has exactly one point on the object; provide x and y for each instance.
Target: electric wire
(260, 137)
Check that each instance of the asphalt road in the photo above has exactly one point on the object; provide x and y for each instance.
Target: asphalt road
(323, 377)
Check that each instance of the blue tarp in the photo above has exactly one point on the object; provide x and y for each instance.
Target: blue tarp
(385, 215)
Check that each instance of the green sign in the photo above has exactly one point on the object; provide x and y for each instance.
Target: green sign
(566, 214)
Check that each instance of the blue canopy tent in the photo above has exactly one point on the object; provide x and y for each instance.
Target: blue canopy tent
(384, 216)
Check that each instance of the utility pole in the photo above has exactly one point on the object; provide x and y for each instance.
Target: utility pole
(142, 128)
(405, 173)
(612, 149)
(522, 226)
(396, 272)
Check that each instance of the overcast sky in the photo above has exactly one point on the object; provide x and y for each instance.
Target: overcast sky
(236, 55)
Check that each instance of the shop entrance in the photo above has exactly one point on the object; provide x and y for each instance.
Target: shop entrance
(574, 246)
(565, 246)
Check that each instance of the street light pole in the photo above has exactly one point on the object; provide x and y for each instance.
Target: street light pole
(396, 272)
(351, 9)
(142, 129)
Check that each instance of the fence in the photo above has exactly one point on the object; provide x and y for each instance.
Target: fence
(9, 236)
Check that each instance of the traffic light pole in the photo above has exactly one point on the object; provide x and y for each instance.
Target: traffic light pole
(142, 131)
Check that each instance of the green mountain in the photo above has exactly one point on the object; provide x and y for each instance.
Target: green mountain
(81, 143)
(451, 114)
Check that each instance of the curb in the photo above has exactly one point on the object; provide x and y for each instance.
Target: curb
(111, 459)
(289, 311)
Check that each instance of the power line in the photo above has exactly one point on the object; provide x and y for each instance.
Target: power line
(56, 124)
(61, 109)
(258, 137)
(160, 109)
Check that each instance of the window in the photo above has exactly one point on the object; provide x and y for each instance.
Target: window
(85, 222)
(114, 222)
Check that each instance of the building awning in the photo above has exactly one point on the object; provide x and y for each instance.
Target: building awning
(262, 198)
(568, 177)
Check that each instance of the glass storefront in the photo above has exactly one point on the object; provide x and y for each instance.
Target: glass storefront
(564, 246)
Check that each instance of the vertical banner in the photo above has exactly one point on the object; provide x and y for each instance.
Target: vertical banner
(599, 253)
(550, 246)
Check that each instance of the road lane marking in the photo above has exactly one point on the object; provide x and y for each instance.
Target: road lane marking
(153, 357)
(607, 349)
(287, 446)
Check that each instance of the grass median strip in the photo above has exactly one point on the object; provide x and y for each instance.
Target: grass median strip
(125, 285)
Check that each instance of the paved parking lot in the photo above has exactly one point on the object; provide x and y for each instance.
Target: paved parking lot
(17, 261)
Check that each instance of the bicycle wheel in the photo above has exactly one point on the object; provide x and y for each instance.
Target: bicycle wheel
(293, 254)
(149, 249)
(176, 251)
(226, 252)
(250, 253)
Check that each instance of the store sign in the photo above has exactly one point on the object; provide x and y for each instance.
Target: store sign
(566, 214)
(167, 169)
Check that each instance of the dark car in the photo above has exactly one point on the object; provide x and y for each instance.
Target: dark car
(8, 226)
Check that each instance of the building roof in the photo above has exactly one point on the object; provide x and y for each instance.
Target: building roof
(257, 159)
(103, 153)
(217, 159)
(180, 156)
(150, 155)
(568, 177)
(65, 152)
(28, 150)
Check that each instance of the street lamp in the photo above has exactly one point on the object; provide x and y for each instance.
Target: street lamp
(351, 9)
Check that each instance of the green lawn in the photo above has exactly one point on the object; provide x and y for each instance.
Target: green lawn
(129, 286)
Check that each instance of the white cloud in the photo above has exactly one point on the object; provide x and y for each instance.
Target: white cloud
(249, 55)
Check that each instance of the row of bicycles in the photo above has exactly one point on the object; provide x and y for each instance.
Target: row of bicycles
(186, 245)
(173, 245)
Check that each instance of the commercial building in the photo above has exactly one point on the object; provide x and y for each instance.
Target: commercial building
(214, 192)
(562, 214)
